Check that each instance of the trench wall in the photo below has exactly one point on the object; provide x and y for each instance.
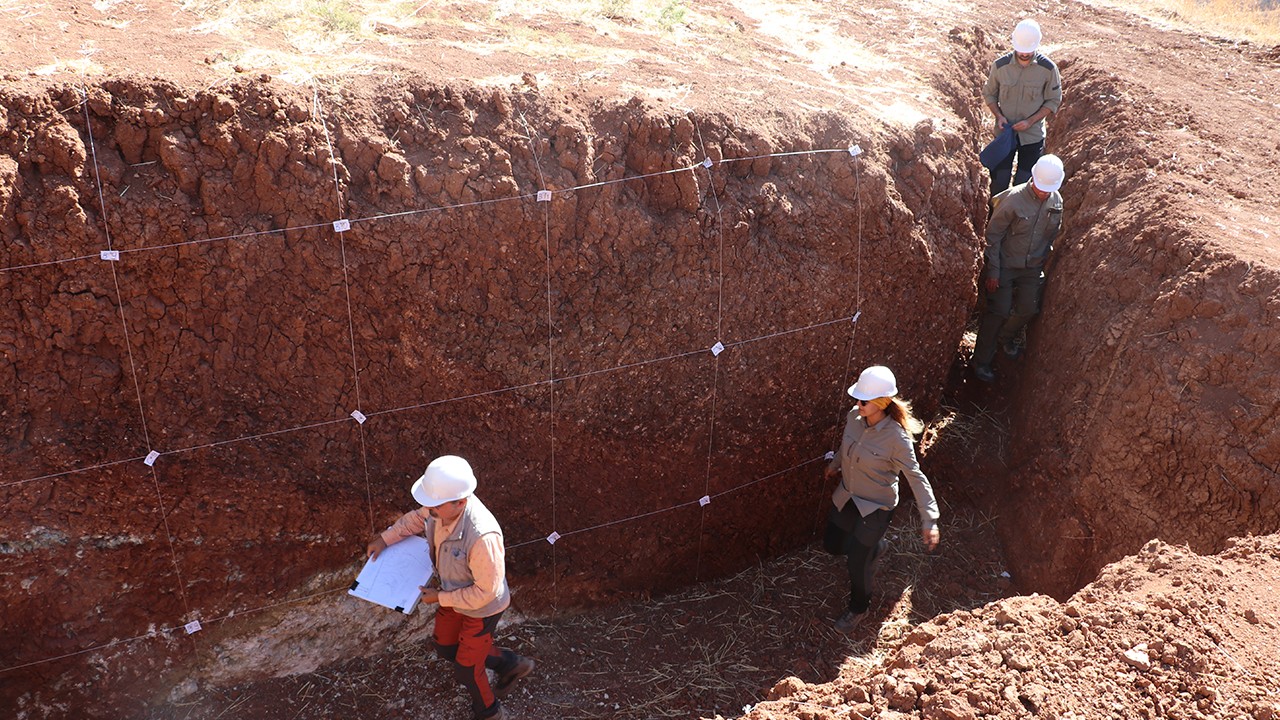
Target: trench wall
(1145, 405)
(1161, 424)
(563, 347)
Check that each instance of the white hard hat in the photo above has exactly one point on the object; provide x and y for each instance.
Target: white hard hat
(1048, 173)
(1026, 36)
(446, 479)
(876, 381)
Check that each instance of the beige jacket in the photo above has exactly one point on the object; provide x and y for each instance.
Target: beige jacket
(869, 461)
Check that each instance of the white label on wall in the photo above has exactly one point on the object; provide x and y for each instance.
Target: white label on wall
(553, 537)
(359, 416)
(192, 627)
(342, 225)
(150, 459)
(109, 255)
(717, 348)
(544, 196)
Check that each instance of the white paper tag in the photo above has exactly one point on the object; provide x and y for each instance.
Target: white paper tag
(857, 315)
(831, 455)
(553, 537)
(359, 416)
(717, 349)
(705, 500)
(150, 459)
(192, 627)
(855, 151)
(706, 163)
(109, 255)
(544, 196)
(342, 225)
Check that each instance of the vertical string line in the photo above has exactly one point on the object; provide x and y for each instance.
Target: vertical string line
(853, 336)
(715, 359)
(346, 287)
(551, 365)
(133, 368)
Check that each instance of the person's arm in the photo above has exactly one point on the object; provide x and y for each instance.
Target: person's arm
(991, 96)
(411, 523)
(487, 560)
(1036, 117)
(908, 465)
(997, 227)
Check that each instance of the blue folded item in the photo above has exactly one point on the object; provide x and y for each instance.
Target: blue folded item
(1000, 148)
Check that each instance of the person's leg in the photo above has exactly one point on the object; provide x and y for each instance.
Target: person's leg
(999, 305)
(448, 625)
(1027, 156)
(833, 538)
(475, 644)
(1028, 290)
(864, 548)
(1001, 173)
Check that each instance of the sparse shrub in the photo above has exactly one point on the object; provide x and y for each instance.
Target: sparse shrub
(672, 15)
(615, 9)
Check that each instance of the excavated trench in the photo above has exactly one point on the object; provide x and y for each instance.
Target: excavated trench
(1144, 406)
(238, 330)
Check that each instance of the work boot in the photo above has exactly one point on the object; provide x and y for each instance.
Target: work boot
(1011, 348)
(849, 621)
(984, 373)
(494, 713)
(508, 679)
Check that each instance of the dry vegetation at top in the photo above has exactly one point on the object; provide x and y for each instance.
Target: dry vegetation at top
(1257, 21)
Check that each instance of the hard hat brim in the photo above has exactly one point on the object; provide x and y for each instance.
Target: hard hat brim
(424, 499)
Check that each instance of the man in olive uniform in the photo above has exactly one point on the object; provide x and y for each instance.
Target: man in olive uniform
(1025, 219)
(1023, 88)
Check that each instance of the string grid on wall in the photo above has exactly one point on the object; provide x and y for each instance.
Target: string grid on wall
(362, 414)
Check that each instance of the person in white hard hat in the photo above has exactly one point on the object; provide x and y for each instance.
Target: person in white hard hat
(1025, 219)
(1022, 89)
(877, 445)
(469, 583)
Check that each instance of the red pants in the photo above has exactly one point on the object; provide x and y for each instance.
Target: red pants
(467, 642)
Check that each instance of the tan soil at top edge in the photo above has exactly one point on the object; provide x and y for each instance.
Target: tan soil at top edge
(747, 59)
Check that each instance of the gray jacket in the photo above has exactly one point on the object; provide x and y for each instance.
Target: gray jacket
(869, 461)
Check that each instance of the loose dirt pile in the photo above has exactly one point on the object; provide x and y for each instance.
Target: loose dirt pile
(1163, 634)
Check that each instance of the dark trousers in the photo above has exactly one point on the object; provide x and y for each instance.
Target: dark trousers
(861, 540)
(467, 642)
(1027, 156)
(1009, 309)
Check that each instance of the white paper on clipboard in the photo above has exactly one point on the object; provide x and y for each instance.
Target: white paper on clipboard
(392, 580)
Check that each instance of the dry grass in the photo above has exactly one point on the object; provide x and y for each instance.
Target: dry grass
(1257, 21)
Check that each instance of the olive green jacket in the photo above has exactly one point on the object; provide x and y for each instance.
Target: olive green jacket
(1021, 91)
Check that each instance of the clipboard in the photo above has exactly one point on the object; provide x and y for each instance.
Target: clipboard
(392, 580)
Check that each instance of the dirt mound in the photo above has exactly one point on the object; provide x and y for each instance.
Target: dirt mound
(1162, 634)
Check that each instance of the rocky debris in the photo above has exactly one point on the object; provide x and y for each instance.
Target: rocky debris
(1136, 643)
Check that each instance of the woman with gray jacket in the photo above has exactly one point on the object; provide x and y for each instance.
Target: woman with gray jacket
(877, 446)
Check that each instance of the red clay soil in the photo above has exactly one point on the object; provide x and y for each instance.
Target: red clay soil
(1143, 409)
(1165, 633)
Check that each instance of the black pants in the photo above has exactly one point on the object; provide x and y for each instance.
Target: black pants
(1027, 156)
(861, 540)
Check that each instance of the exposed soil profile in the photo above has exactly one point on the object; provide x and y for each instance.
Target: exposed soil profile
(812, 206)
